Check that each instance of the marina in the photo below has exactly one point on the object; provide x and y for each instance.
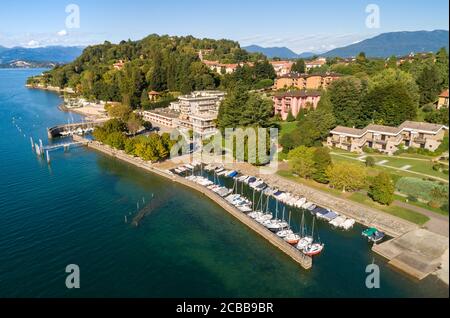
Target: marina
(82, 211)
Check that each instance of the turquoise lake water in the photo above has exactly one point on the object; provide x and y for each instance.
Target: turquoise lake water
(72, 212)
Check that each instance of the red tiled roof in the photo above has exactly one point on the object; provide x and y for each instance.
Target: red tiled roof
(444, 93)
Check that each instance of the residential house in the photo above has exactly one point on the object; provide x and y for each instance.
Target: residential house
(282, 67)
(443, 100)
(119, 65)
(315, 63)
(388, 139)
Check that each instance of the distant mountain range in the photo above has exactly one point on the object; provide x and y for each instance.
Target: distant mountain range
(395, 43)
(36, 57)
(281, 52)
(383, 45)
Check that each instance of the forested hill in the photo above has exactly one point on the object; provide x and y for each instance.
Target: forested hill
(160, 63)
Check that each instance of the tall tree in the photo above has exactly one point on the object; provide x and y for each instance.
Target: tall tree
(299, 66)
(345, 96)
(430, 84)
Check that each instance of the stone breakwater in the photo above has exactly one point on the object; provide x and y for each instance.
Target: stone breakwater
(290, 251)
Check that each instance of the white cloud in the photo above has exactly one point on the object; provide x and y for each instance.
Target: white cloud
(62, 33)
(316, 43)
(33, 44)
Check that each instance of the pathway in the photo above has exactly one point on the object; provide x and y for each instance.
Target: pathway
(438, 223)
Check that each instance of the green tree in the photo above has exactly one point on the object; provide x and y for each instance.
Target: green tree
(116, 140)
(299, 66)
(134, 123)
(382, 189)
(346, 176)
(301, 161)
(322, 160)
(429, 83)
(119, 111)
(389, 105)
(370, 162)
(438, 117)
(345, 96)
(290, 117)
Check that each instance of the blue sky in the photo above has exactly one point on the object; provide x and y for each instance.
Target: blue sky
(298, 24)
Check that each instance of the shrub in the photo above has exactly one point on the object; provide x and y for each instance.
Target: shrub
(370, 162)
(382, 189)
(417, 187)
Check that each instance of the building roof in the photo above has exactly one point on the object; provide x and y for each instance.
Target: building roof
(383, 129)
(300, 93)
(444, 94)
(298, 75)
(412, 125)
(166, 112)
(153, 93)
(407, 125)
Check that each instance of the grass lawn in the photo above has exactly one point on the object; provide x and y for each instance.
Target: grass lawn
(421, 205)
(420, 166)
(409, 215)
(361, 198)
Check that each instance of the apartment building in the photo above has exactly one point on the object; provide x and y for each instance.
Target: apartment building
(388, 139)
(306, 81)
(293, 102)
(197, 111)
(315, 63)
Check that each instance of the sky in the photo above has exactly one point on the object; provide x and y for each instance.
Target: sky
(302, 25)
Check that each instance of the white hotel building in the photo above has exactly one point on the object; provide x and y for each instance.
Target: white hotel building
(197, 111)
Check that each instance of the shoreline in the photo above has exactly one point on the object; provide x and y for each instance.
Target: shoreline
(290, 251)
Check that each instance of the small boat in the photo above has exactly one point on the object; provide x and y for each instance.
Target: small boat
(292, 238)
(337, 222)
(373, 235)
(256, 214)
(313, 249)
(284, 233)
(348, 224)
(304, 242)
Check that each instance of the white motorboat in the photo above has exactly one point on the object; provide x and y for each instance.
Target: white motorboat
(348, 224)
(284, 233)
(337, 222)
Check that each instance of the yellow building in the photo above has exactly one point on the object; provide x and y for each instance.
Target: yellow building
(305, 81)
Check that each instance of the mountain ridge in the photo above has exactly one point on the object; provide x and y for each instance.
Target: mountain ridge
(383, 45)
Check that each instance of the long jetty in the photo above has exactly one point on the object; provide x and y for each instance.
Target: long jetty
(303, 260)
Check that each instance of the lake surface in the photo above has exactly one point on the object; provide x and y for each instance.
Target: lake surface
(73, 212)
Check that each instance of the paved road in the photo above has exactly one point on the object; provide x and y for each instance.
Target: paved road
(438, 223)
